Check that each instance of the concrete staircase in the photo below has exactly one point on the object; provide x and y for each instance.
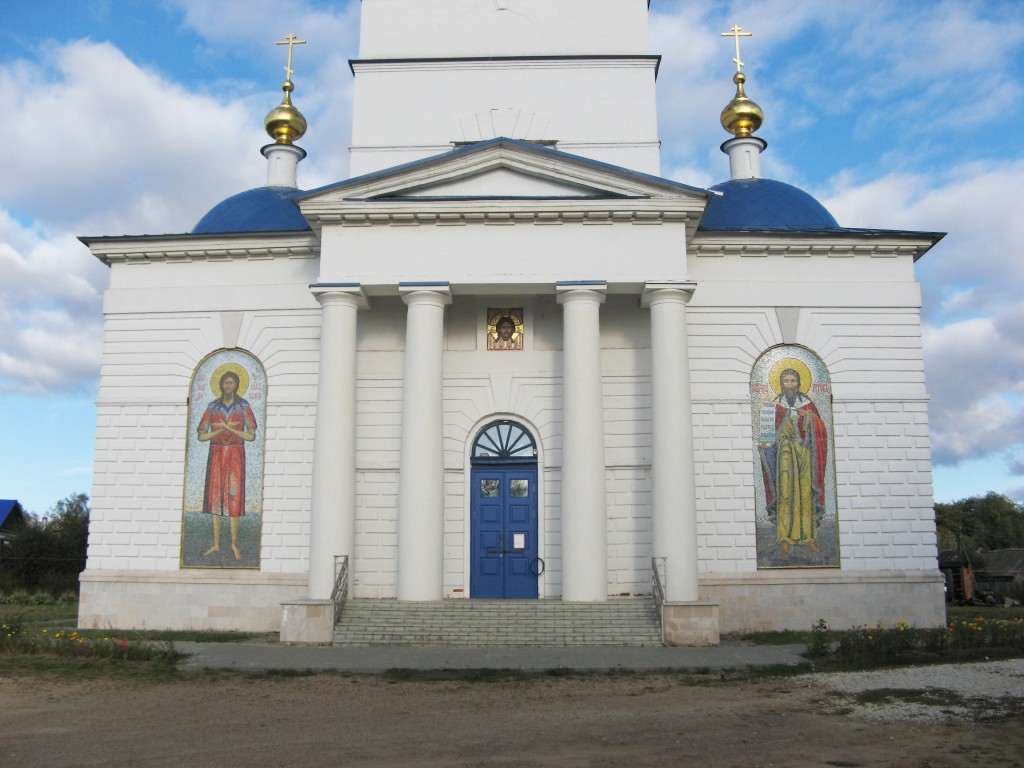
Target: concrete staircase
(622, 622)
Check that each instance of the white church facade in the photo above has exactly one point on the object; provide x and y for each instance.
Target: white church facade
(508, 360)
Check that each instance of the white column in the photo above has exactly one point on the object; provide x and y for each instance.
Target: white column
(674, 500)
(421, 467)
(333, 521)
(584, 520)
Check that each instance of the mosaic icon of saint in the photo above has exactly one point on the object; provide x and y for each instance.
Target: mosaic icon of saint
(227, 425)
(794, 462)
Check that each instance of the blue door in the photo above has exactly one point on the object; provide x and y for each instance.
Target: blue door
(504, 532)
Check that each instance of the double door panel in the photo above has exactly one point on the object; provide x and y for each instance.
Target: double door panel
(504, 554)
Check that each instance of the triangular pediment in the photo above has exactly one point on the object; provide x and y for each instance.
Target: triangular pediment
(501, 182)
(503, 169)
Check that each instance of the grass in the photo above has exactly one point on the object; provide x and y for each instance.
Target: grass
(61, 613)
(40, 608)
(172, 636)
(785, 637)
(962, 612)
(962, 639)
(38, 634)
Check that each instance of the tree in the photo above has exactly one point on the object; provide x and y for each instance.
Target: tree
(48, 553)
(984, 522)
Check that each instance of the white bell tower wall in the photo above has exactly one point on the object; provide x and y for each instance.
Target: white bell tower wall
(435, 74)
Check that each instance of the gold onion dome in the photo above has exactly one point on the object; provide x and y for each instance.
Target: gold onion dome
(284, 123)
(741, 116)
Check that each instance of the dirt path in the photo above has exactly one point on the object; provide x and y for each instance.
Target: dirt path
(230, 720)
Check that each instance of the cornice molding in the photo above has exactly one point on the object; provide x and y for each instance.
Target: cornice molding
(797, 249)
(461, 215)
(181, 250)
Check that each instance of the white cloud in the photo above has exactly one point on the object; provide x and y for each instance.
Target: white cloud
(972, 283)
(974, 379)
(111, 149)
(116, 147)
(895, 82)
(50, 322)
(323, 82)
(979, 266)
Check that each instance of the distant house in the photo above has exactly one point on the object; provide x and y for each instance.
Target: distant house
(1002, 573)
(12, 515)
(956, 568)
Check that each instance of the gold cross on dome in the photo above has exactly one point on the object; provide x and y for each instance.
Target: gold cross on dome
(736, 33)
(292, 40)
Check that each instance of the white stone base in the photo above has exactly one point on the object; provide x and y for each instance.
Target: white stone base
(689, 623)
(247, 601)
(795, 599)
(307, 622)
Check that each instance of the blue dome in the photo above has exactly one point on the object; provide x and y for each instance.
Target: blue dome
(764, 204)
(264, 209)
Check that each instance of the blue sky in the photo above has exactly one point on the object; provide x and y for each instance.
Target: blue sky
(135, 117)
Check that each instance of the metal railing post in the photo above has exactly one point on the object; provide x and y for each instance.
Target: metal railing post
(340, 593)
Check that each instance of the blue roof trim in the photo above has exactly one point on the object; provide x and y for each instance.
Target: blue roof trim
(89, 239)
(263, 209)
(480, 146)
(765, 205)
(836, 231)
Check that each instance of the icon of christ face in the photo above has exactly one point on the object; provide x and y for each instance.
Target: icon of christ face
(505, 329)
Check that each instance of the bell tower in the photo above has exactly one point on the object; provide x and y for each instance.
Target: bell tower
(433, 75)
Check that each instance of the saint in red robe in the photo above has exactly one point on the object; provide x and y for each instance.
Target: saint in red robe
(225, 469)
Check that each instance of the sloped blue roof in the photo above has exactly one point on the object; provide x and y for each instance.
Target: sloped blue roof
(764, 205)
(264, 209)
(6, 507)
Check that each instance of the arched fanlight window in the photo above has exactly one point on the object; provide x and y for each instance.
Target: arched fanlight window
(504, 441)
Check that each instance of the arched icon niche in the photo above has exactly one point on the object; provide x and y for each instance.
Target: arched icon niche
(794, 460)
(222, 509)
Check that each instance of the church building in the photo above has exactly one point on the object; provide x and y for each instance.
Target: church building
(507, 360)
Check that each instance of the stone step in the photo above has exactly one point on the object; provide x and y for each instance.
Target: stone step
(618, 622)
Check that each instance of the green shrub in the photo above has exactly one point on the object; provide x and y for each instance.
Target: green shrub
(15, 637)
(904, 643)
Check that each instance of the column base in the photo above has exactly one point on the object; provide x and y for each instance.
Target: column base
(307, 622)
(689, 623)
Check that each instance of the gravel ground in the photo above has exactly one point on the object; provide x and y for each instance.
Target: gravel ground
(923, 717)
(946, 691)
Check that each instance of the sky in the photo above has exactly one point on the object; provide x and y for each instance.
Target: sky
(138, 116)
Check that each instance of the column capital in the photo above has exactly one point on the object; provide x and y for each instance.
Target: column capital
(433, 293)
(336, 293)
(656, 292)
(586, 290)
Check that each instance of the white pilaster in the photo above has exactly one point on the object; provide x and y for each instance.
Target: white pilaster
(332, 524)
(584, 519)
(282, 164)
(421, 470)
(744, 156)
(674, 500)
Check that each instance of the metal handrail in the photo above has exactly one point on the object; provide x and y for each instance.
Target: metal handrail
(340, 593)
(657, 583)
(658, 589)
